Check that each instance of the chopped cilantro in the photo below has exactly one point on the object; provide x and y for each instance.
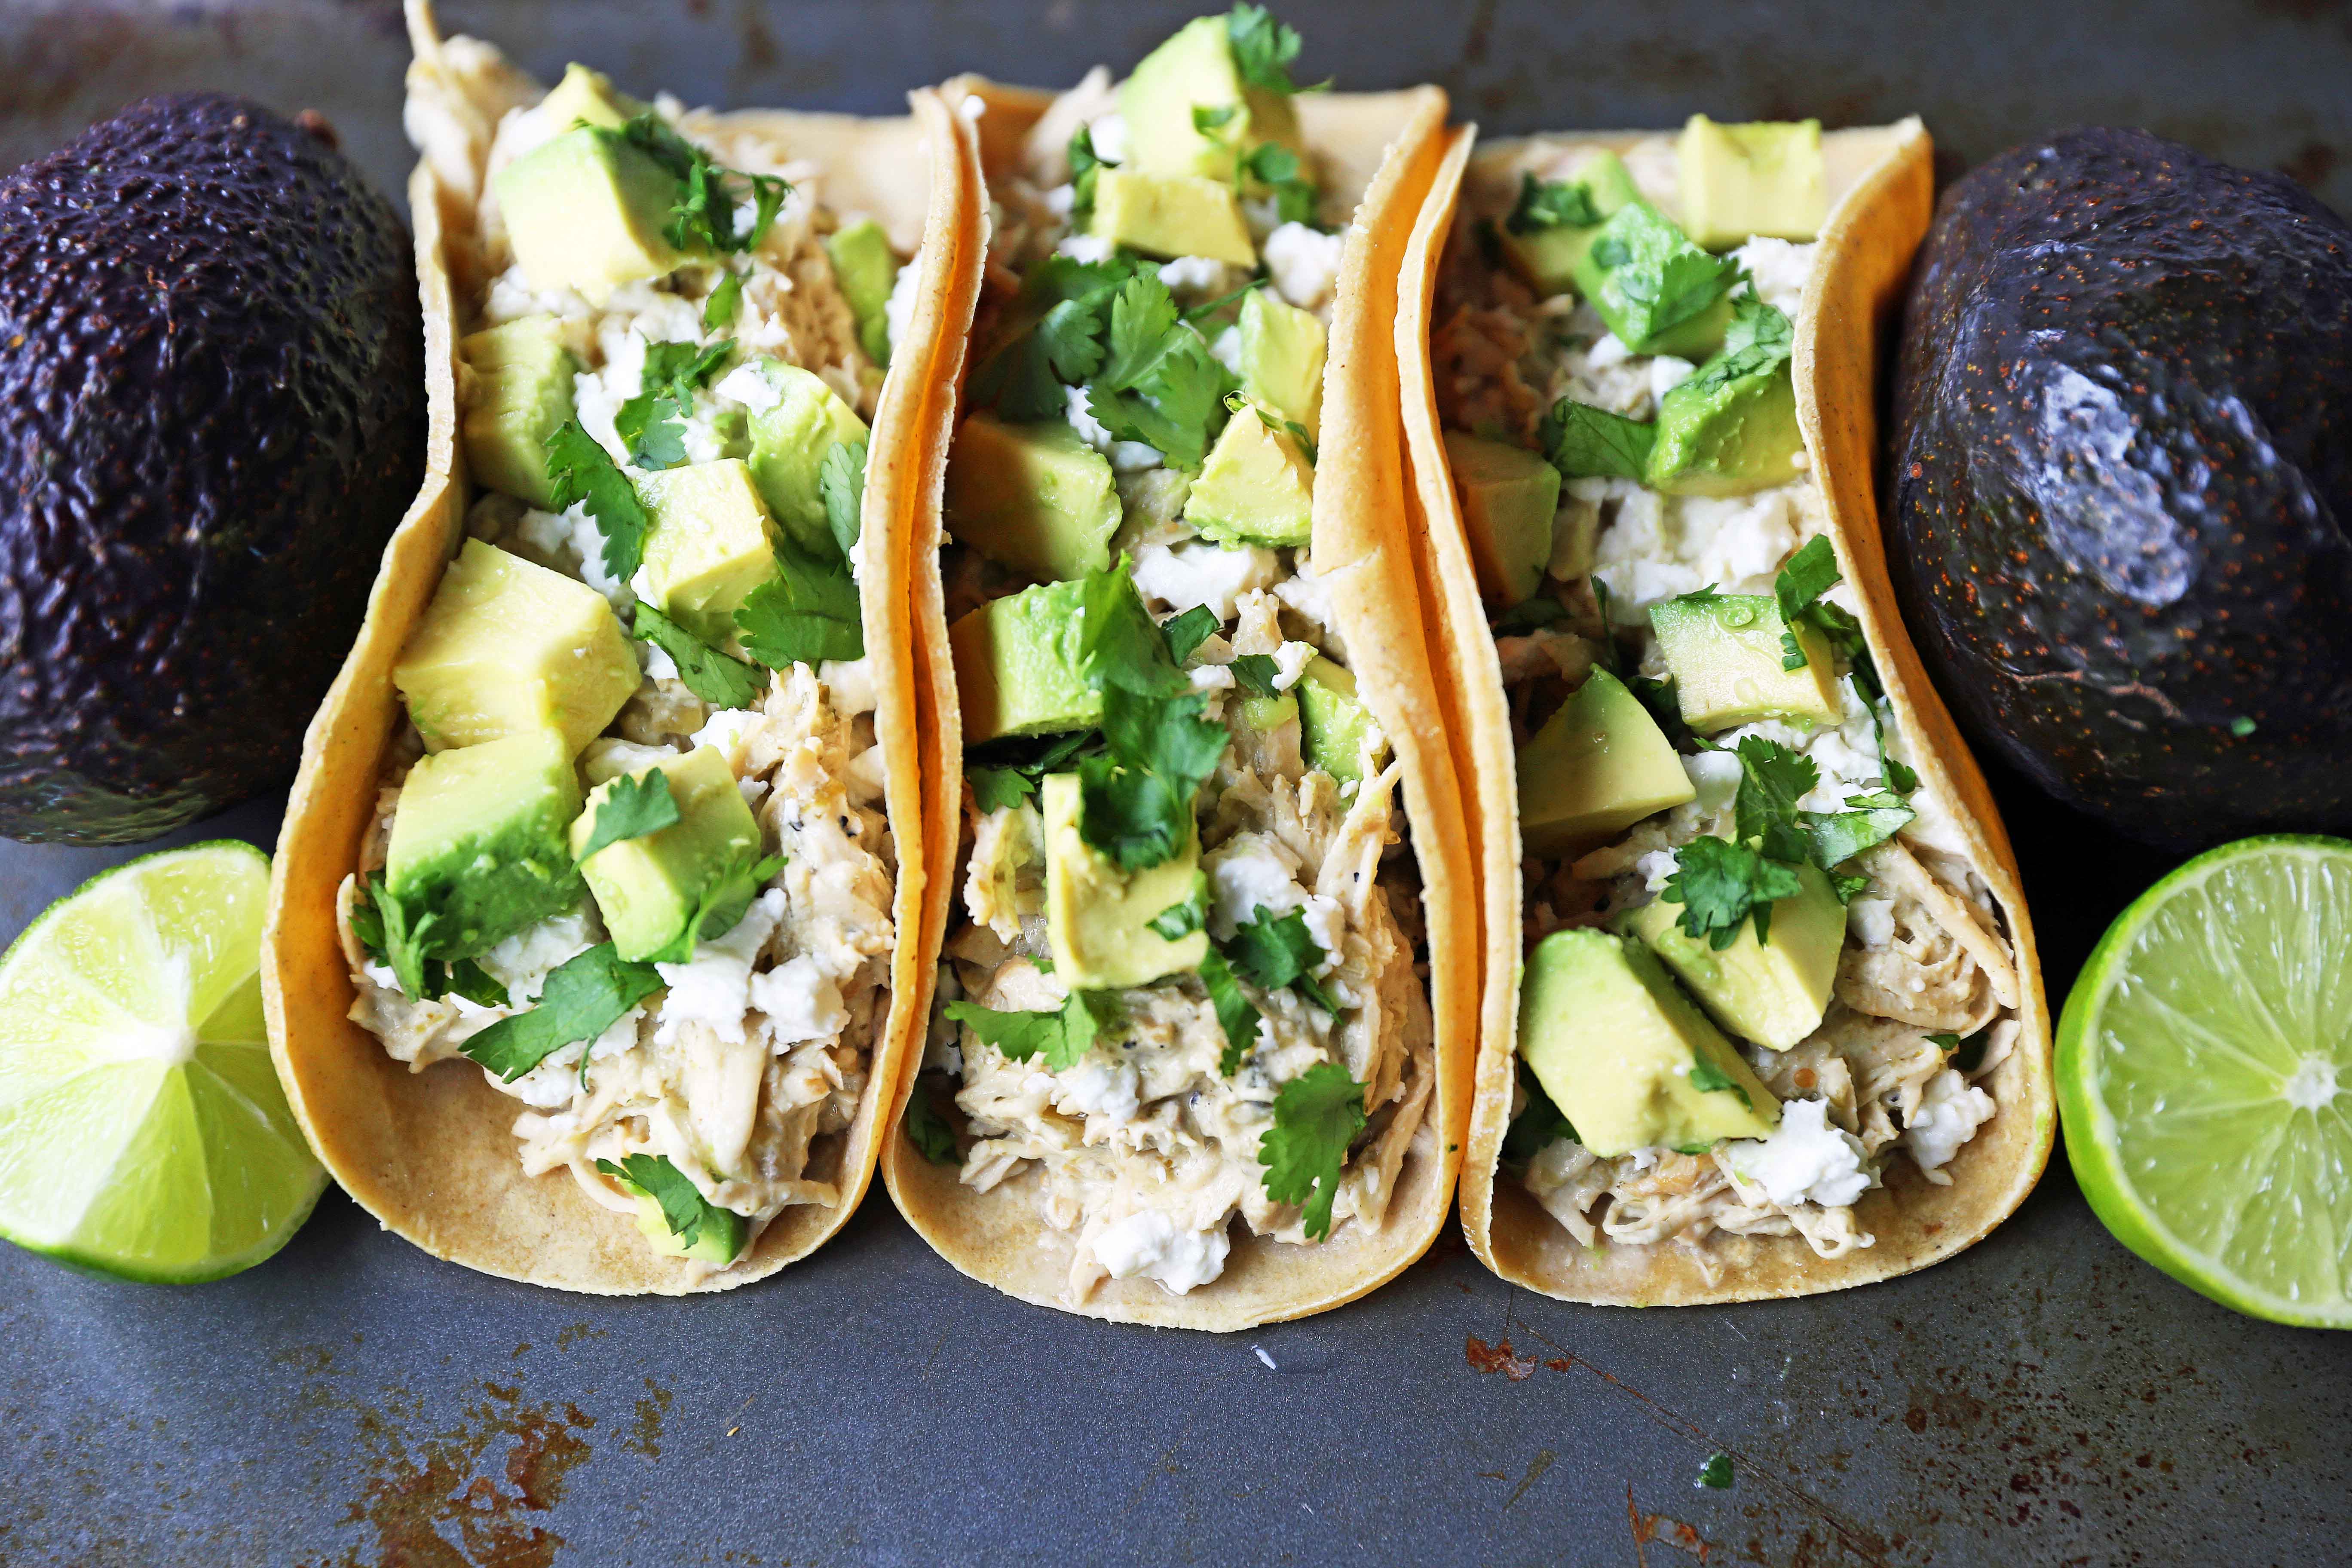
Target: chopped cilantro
(1061, 1038)
(806, 614)
(1772, 779)
(1670, 283)
(724, 900)
(1719, 884)
(1551, 203)
(702, 213)
(1119, 645)
(1085, 167)
(1716, 1472)
(1707, 1078)
(1237, 1015)
(1537, 1127)
(1706, 595)
(684, 1210)
(1006, 772)
(1255, 672)
(1209, 117)
(1847, 887)
(841, 480)
(648, 424)
(1801, 582)
(1202, 312)
(1271, 951)
(1278, 168)
(1066, 304)
(1585, 442)
(1527, 615)
(584, 996)
(1184, 633)
(632, 808)
(1264, 48)
(928, 1128)
(1317, 1116)
(468, 978)
(1158, 382)
(1136, 798)
(719, 307)
(2241, 726)
(1946, 1043)
(1868, 819)
(994, 789)
(1180, 921)
(1971, 1053)
(580, 472)
(1758, 326)
(719, 678)
(383, 925)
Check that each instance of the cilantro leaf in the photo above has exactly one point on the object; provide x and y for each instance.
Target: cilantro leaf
(684, 1210)
(1772, 779)
(719, 678)
(1237, 1015)
(1585, 442)
(1136, 799)
(1706, 1077)
(1316, 1116)
(580, 472)
(1808, 574)
(1255, 672)
(584, 996)
(1061, 1038)
(1180, 921)
(403, 936)
(702, 211)
(1716, 1472)
(468, 978)
(1945, 1042)
(1845, 888)
(994, 789)
(1006, 772)
(928, 1128)
(726, 297)
(1971, 1053)
(1537, 1127)
(806, 614)
(1119, 645)
(724, 900)
(1551, 203)
(1273, 951)
(1064, 305)
(1869, 818)
(1158, 382)
(632, 808)
(1759, 326)
(1085, 167)
(841, 480)
(1263, 47)
(416, 974)
(647, 424)
(1278, 168)
(1188, 631)
(1719, 884)
(1528, 614)
(1211, 117)
(1675, 284)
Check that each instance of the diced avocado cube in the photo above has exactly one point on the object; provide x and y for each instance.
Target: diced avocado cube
(1172, 215)
(520, 394)
(1623, 1052)
(1036, 498)
(866, 267)
(660, 891)
(789, 443)
(1282, 350)
(478, 841)
(1267, 714)
(1546, 259)
(1018, 666)
(1738, 181)
(507, 647)
(588, 96)
(710, 544)
(1097, 917)
(1255, 487)
(1333, 722)
(1722, 435)
(1599, 766)
(1194, 69)
(1725, 656)
(721, 1238)
(1773, 993)
(1620, 273)
(586, 212)
(1509, 497)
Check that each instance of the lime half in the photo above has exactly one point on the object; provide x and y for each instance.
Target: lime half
(2205, 1077)
(142, 1132)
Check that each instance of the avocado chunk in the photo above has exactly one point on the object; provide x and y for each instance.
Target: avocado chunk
(790, 439)
(1621, 274)
(866, 269)
(722, 1237)
(1195, 69)
(1727, 435)
(1283, 348)
(1509, 497)
(1018, 668)
(1256, 486)
(1546, 259)
(1171, 214)
(1267, 714)
(710, 544)
(1725, 656)
(1097, 917)
(1738, 181)
(586, 96)
(1599, 766)
(1774, 991)
(586, 212)
(507, 647)
(1036, 498)
(478, 841)
(521, 393)
(1333, 722)
(1625, 1056)
(662, 891)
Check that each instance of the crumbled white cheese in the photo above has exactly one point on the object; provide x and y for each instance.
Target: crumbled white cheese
(1248, 873)
(1872, 921)
(1846, 756)
(1225, 348)
(746, 386)
(1655, 867)
(1290, 661)
(1088, 247)
(1061, 201)
(1737, 542)
(1327, 922)
(1779, 268)
(714, 986)
(1304, 263)
(728, 730)
(1716, 776)
(1135, 457)
(1149, 1243)
(1949, 1113)
(1196, 571)
(1210, 677)
(608, 757)
(1608, 350)
(1667, 373)
(1201, 277)
(1082, 419)
(523, 961)
(800, 1000)
(851, 684)
(898, 311)
(1107, 134)
(1099, 1087)
(1805, 1161)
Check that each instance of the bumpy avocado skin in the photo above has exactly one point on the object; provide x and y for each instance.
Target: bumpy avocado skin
(2122, 477)
(212, 415)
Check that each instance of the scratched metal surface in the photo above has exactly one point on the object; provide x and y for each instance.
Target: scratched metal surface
(2041, 1399)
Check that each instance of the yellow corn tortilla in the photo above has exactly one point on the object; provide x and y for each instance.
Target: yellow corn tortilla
(430, 1155)
(1881, 194)
(1385, 145)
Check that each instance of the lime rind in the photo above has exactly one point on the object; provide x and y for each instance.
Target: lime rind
(2205, 1073)
(144, 1133)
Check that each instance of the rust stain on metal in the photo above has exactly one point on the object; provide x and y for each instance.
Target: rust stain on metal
(1657, 1527)
(572, 1333)
(1484, 1357)
(644, 1438)
(1536, 1468)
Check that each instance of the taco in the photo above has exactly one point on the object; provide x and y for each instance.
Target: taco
(1200, 1052)
(581, 965)
(1761, 1013)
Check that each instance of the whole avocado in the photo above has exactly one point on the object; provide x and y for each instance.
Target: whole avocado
(2122, 474)
(212, 415)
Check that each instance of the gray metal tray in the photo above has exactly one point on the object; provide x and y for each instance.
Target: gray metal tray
(2044, 1398)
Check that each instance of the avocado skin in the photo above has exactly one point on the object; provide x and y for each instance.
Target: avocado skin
(212, 415)
(2122, 475)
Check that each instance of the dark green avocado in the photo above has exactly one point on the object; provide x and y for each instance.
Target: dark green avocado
(2122, 477)
(212, 413)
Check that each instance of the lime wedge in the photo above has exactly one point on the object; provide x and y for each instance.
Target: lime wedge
(2205, 1077)
(142, 1132)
